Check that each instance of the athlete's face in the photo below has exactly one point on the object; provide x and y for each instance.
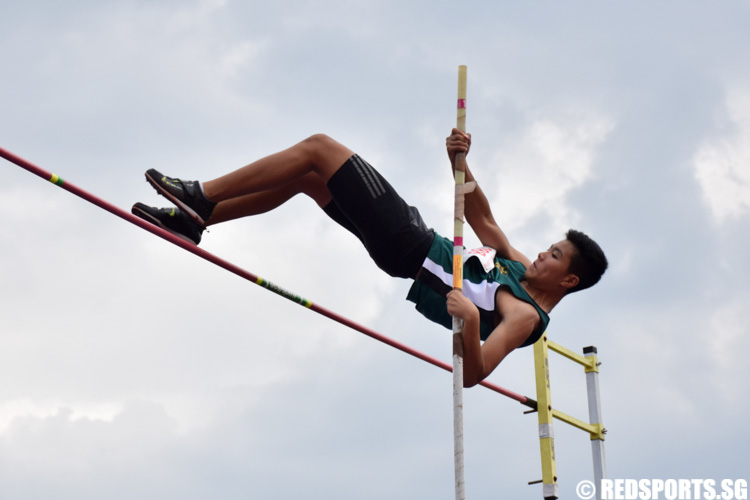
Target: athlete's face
(551, 266)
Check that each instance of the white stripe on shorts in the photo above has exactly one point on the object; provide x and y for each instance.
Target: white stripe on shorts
(367, 173)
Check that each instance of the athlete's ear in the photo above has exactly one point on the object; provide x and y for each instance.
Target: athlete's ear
(570, 281)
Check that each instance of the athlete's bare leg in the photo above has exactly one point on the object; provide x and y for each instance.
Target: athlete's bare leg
(304, 168)
(310, 184)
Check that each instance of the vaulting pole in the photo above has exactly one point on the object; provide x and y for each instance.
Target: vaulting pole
(458, 256)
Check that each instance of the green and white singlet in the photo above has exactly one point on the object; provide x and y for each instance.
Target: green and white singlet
(480, 285)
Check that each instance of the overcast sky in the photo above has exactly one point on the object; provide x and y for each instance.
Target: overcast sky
(131, 369)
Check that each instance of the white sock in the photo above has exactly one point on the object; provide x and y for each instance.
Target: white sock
(200, 185)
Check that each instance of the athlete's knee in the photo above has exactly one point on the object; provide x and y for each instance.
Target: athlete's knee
(320, 143)
(325, 154)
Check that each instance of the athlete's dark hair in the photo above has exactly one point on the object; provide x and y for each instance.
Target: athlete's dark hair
(588, 262)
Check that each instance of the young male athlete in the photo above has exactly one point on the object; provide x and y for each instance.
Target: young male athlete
(506, 298)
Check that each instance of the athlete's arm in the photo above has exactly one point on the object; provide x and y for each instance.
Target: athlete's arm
(477, 208)
(519, 321)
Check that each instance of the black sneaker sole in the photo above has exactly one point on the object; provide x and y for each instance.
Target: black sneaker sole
(179, 203)
(156, 222)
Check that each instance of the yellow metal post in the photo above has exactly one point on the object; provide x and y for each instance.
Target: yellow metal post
(547, 414)
(544, 411)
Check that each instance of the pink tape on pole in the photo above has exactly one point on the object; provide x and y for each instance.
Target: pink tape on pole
(461, 103)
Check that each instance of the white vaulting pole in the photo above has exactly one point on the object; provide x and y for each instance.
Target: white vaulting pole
(458, 256)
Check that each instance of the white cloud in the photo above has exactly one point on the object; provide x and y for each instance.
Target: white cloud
(722, 165)
(530, 174)
(538, 169)
(80, 456)
(25, 408)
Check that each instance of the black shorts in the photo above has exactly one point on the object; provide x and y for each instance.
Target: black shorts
(393, 232)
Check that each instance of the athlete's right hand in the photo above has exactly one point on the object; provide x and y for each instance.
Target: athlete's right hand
(457, 142)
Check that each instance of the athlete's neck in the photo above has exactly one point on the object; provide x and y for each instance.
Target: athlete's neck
(544, 299)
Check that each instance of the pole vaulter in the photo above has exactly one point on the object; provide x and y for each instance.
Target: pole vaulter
(72, 188)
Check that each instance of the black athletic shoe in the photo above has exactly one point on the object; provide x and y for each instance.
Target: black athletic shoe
(172, 219)
(185, 194)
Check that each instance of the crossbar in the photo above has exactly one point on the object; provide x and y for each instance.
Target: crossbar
(524, 400)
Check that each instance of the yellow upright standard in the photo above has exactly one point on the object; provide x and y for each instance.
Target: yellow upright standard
(595, 427)
(546, 427)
